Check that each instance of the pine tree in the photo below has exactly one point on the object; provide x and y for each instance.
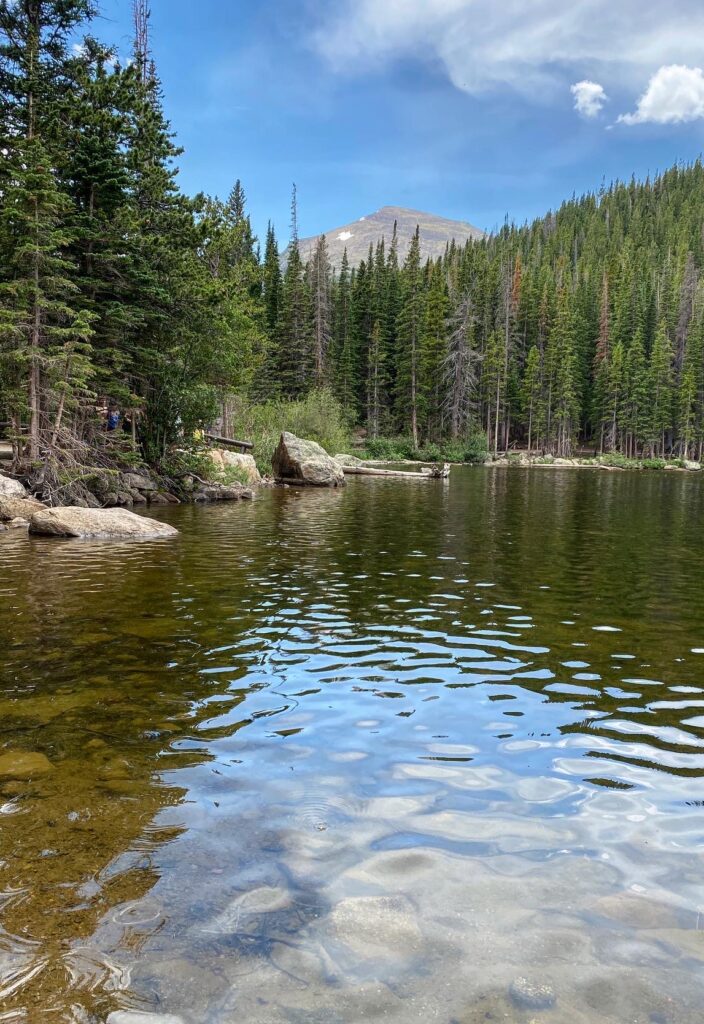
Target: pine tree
(293, 329)
(409, 330)
(44, 331)
(530, 394)
(661, 393)
(322, 314)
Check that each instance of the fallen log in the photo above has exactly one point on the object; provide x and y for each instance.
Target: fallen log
(244, 446)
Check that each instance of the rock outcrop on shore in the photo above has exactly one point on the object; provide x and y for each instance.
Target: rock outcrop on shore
(224, 460)
(18, 508)
(97, 523)
(297, 461)
(11, 488)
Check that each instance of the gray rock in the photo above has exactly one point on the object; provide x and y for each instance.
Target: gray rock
(138, 482)
(377, 926)
(529, 995)
(305, 462)
(138, 498)
(101, 523)
(18, 524)
(222, 458)
(349, 460)
(235, 492)
(142, 1017)
(110, 499)
(124, 498)
(692, 466)
(18, 507)
(11, 488)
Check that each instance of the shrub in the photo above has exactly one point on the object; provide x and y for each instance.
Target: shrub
(396, 449)
(653, 463)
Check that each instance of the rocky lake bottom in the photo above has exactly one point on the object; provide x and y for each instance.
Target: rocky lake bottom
(403, 751)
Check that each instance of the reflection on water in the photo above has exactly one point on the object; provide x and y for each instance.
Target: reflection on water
(369, 754)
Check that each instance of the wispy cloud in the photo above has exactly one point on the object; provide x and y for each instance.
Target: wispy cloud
(589, 97)
(530, 47)
(674, 94)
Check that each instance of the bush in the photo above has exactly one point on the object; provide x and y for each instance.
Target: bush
(397, 449)
(617, 461)
(475, 448)
(653, 463)
(317, 417)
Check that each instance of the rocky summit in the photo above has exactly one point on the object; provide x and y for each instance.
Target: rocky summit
(435, 234)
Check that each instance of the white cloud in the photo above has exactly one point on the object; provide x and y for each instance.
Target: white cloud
(589, 97)
(674, 94)
(529, 46)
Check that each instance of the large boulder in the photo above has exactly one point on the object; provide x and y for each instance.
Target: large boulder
(222, 459)
(11, 488)
(297, 461)
(99, 523)
(13, 506)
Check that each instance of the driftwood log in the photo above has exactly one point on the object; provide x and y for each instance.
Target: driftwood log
(370, 471)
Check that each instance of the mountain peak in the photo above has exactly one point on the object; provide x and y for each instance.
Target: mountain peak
(356, 237)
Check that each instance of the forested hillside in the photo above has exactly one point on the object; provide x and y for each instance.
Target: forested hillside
(118, 290)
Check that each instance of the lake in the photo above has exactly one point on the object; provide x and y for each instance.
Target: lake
(407, 751)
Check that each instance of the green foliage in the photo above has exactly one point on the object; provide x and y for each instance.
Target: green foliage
(399, 449)
(115, 287)
(317, 417)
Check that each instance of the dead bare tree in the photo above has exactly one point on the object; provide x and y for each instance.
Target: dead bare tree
(460, 367)
(141, 13)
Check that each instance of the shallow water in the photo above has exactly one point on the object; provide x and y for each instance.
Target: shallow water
(361, 755)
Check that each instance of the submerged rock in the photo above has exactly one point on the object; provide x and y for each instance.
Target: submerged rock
(102, 523)
(13, 506)
(374, 926)
(142, 1017)
(11, 488)
(529, 995)
(24, 764)
(297, 461)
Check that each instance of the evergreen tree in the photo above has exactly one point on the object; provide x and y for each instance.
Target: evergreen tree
(44, 330)
(409, 331)
(293, 328)
(322, 314)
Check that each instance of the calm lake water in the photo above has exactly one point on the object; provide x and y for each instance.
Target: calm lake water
(362, 755)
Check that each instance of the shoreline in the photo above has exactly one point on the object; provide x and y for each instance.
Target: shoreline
(546, 462)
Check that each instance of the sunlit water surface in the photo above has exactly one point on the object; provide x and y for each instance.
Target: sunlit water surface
(362, 755)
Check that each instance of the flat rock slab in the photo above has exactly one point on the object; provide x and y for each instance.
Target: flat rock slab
(377, 926)
(17, 506)
(142, 1017)
(97, 523)
(23, 764)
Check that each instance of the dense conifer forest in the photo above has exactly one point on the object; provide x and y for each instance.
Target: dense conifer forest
(118, 290)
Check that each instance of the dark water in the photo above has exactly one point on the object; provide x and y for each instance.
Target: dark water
(361, 756)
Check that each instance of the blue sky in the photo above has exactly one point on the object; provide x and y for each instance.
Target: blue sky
(465, 108)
